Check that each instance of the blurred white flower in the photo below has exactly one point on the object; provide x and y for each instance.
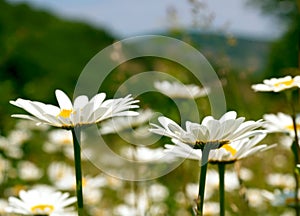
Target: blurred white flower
(119, 124)
(282, 181)
(62, 177)
(41, 201)
(122, 210)
(138, 200)
(255, 197)
(157, 192)
(5, 166)
(211, 209)
(3, 206)
(12, 144)
(212, 184)
(83, 112)
(57, 140)
(282, 123)
(281, 197)
(245, 174)
(28, 171)
(158, 209)
(278, 84)
(179, 90)
(144, 154)
(211, 132)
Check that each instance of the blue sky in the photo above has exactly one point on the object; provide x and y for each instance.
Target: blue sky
(137, 17)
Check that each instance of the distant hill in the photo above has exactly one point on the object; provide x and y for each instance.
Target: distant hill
(235, 52)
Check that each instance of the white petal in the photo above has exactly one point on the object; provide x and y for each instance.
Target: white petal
(63, 100)
(80, 102)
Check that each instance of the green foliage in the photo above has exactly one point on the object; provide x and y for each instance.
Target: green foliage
(40, 52)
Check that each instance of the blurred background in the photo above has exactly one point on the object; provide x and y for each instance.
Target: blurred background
(45, 44)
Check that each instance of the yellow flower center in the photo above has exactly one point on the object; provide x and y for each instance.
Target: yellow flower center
(229, 148)
(286, 83)
(65, 113)
(221, 144)
(291, 127)
(42, 208)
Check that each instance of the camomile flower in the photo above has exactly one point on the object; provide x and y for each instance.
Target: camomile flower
(82, 112)
(281, 122)
(211, 132)
(238, 150)
(277, 84)
(118, 124)
(179, 90)
(281, 197)
(41, 201)
(279, 180)
(145, 154)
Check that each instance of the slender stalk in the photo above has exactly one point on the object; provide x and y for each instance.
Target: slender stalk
(204, 163)
(295, 150)
(76, 132)
(221, 168)
(296, 143)
(202, 180)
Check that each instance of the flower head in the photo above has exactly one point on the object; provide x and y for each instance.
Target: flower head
(278, 84)
(178, 90)
(126, 122)
(212, 132)
(237, 150)
(41, 201)
(281, 123)
(82, 112)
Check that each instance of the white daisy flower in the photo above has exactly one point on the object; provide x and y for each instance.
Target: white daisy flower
(41, 201)
(212, 132)
(278, 84)
(280, 180)
(82, 112)
(118, 124)
(145, 154)
(282, 123)
(179, 90)
(281, 197)
(3, 206)
(237, 150)
(62, 177)
(28, 171)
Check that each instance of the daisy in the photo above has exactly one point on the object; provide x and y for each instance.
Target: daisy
(281, 123)
(238, 150)
(41, 201)
(281, 197)
(179, 90)
(284, 181)
(278, 84)
(145, 154)
(82, 112)
(62, 177)
(211, 132)
(118, 124)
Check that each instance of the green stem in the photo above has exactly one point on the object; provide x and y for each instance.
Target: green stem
(221, 167)
(76, 132)
(204, 163)
(295, 150)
